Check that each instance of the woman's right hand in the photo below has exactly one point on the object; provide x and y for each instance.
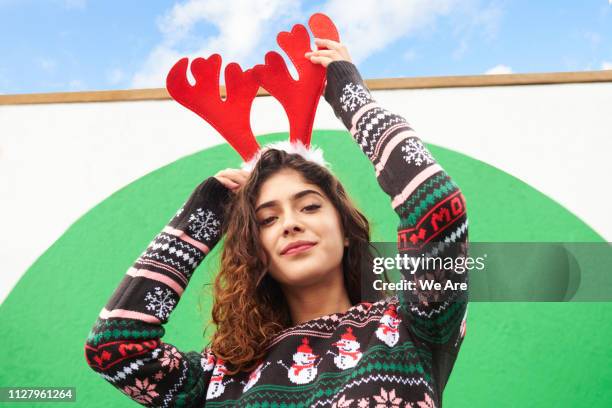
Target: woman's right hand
(327, 52)
(233, 179)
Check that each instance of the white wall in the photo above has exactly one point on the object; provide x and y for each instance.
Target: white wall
(59, 160)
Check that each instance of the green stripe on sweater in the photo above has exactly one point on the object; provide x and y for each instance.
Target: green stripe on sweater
(424, 188)
(428, 201)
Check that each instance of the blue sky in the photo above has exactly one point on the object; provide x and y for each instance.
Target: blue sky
(78, 45)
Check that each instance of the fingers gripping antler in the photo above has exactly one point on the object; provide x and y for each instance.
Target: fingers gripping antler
(230, 117)
(299, 97)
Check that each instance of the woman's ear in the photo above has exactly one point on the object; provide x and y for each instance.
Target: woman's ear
(346, 241)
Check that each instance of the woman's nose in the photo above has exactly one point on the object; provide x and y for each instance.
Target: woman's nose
(295, 228)
(291, 224)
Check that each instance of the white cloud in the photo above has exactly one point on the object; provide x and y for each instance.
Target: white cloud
(156, 67)
(499, 69)
(475, 19)
(241, 26)
(487, 19)
(246, 29)
(368, 26)
(606, 64)
(114, 76)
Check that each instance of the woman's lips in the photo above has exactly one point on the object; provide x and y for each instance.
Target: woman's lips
(299, 249)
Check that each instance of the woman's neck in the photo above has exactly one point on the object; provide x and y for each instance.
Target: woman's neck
(324, 298)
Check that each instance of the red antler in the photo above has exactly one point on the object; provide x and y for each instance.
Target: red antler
(230, 117)
(299, 98)
(322, 27)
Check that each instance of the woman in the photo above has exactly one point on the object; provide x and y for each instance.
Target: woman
(292, 327)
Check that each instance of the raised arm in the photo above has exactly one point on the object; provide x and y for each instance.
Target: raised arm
(125, 346)
(430, 206)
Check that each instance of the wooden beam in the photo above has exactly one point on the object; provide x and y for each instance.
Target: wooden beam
(491, 80)
(373, 84)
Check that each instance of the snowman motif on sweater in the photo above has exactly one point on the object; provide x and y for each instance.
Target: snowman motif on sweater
(216, 387)
(387, 331)
(254, 376)
(303, 370)
(207, 361)
(349, 350)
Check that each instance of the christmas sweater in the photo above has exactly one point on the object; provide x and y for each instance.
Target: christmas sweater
(394, 352)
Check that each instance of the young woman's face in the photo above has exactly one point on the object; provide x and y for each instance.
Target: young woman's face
(290, 210)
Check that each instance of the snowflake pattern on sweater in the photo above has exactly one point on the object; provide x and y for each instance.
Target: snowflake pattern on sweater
(395, 352)
(353, 95)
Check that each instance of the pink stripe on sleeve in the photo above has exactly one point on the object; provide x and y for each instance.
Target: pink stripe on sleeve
(414, 183)
(184, 237)
(391, 145)
(133, 272)
(129, 314)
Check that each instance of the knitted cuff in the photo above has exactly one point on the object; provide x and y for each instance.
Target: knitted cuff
(202, 215)
(345, 90)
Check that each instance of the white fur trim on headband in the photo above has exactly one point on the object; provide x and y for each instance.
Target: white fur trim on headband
(312, 153)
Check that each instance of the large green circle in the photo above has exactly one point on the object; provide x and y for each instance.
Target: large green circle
(538, 354)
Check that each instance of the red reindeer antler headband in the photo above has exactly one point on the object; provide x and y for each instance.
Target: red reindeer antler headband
(231, 117)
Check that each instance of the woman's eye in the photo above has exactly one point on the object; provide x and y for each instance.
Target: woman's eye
(266, 221)
(308, 208)
(312, 207)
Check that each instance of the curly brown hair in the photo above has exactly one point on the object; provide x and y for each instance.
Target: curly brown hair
(249, 308)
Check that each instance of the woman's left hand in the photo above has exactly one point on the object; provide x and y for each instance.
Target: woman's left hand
(335, 52)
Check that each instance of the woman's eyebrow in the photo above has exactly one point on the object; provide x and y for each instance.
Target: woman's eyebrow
(296, 196)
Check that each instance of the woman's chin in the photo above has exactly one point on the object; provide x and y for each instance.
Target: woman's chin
(304, 273)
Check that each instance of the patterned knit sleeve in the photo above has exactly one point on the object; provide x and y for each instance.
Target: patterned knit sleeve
(124, 345)
(430, 206)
